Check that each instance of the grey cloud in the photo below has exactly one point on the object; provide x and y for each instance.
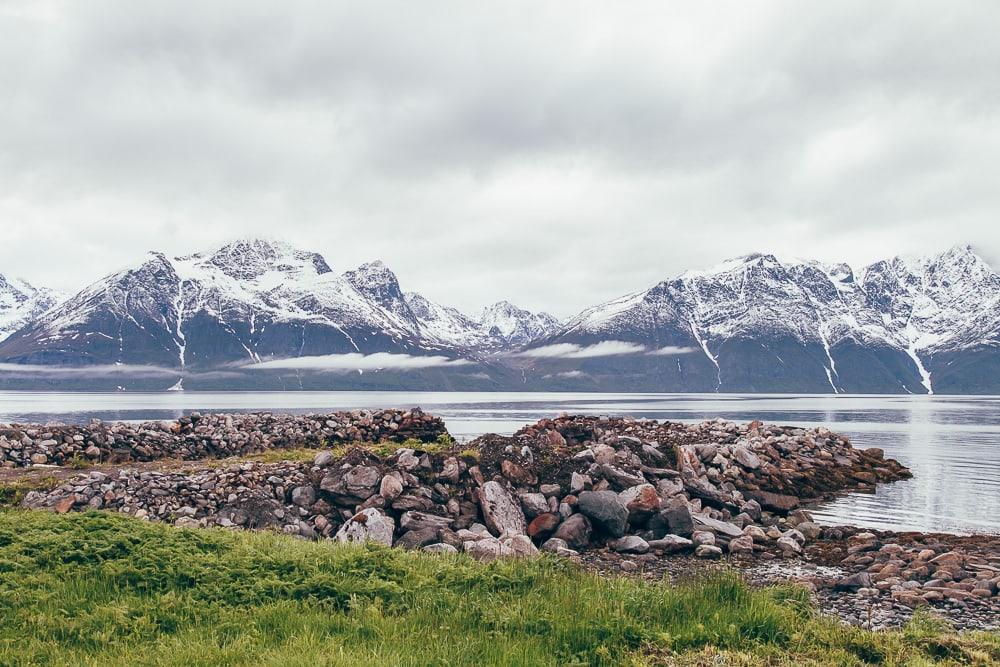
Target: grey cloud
(557, 162)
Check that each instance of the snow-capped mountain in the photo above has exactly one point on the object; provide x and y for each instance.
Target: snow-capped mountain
(243, 303)
(757, 323)
(21, 303)
(511, 326)
(446, 326)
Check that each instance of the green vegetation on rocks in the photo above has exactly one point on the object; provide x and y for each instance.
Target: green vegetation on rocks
(96, 589)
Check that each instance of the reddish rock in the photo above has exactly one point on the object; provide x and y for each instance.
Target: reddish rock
(65, 504)
(543, 525)
(642, 502)
(516, 473)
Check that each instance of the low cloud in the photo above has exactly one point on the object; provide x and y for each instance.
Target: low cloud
(607, 348)
(566, 374)
(670, 350)
(356, 361)
(88, 371)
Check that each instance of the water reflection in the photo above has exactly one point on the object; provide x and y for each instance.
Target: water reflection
(951, 443)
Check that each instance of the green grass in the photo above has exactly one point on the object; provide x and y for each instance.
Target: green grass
(99, 589)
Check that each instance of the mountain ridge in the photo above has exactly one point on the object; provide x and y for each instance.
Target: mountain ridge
(749, 324)
(898, 316)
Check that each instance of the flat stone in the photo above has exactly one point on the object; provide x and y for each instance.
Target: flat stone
(773, 502)
(721, 529)
(853, 582)
(671, 544)
(632, 544)
(415, 520)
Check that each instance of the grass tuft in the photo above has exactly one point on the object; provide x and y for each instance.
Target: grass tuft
(101, 589)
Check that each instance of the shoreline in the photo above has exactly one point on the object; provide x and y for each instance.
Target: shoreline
(622, 496)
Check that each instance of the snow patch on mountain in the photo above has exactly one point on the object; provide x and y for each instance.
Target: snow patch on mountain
(253, 295)
(21, 303)
(512, 326)
(918, 306)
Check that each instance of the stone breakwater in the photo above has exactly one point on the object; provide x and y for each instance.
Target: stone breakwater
(622, 495)
(207, 436)
(562, 485)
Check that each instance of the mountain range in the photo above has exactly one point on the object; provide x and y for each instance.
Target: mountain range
(261, 314)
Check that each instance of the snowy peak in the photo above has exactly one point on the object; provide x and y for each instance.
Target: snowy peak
(21, 302)
(377, 282)
(515, 326)
(253, 258)
(445, 325)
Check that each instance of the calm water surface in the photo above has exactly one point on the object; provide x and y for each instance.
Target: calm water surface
(951, 443)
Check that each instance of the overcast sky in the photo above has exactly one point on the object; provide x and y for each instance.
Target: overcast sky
(556, 154)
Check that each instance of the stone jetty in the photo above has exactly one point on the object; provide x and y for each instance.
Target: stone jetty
(562, 485)
(207, 436)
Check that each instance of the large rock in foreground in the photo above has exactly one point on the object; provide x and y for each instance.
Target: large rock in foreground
(606, 510)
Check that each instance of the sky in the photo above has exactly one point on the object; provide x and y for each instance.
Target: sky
(556, 154)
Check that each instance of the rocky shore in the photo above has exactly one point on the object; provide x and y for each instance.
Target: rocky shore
(207, 436)
(636, 497)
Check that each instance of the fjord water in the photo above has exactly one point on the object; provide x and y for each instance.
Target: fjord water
(952, 443)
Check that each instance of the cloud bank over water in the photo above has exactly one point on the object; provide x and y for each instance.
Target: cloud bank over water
(355, 361)
(123, 370)
(607, 348)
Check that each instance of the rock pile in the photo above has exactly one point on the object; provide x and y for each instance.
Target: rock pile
(561, 485)
(917, 571)
(207, 436)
